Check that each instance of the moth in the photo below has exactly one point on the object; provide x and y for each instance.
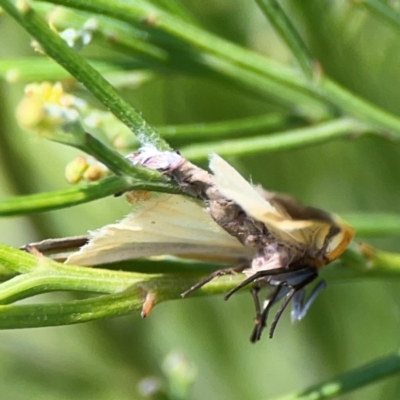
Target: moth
(272, 239)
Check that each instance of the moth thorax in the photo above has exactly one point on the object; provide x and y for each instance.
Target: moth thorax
(270, 257)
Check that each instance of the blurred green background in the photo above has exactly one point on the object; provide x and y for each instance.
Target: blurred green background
(349, 325)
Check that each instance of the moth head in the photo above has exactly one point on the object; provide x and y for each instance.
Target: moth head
(338, 242)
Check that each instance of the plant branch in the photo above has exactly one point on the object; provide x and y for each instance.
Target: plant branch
(293, 139)
(57, 49)
(143, 12)
(39, 68)
(42, 275)
(373, 224)
(114, 161)
(72, 133)
(215, 130)
(78, 195)
(361, 109)
(72, 312)
(127, 290)
(177, 58)
(324, 90)
(120, 34)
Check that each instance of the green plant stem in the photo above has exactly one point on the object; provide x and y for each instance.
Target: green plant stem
(323, 90)
(266, 87)
(279, 20)
(297, 138)
(369, 373)
(78, 195)
(119, 34)
(216, 130)
(373, 224)
(30, 69)
(57, 49)
(28, 285)
(72, 312)
(110, 280)
(360, 108)
(381, 10)
(73, 134)
(176, 58)
(141, 44)
(381, 260)
(6, 274)
(40, 275)
(156, 18)
(114, 161)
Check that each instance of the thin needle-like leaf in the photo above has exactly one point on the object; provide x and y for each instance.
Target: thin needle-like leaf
(282, 24)
(367, 374)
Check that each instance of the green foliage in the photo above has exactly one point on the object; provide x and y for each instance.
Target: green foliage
(327, 117)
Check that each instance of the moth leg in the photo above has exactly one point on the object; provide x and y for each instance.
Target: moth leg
(293, 290)
(254, 293)
(214, 274)
(259, 315)
(301, 307)
(278, 315)
(254, 277)
(261, 321)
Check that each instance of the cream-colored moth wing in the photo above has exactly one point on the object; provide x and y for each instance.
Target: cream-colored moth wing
(234, 187)
(164, 224)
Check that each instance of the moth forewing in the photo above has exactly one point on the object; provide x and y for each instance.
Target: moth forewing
(331, 232)
(288, 220)
(162, 225)
(234, 187)
(277, 219)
